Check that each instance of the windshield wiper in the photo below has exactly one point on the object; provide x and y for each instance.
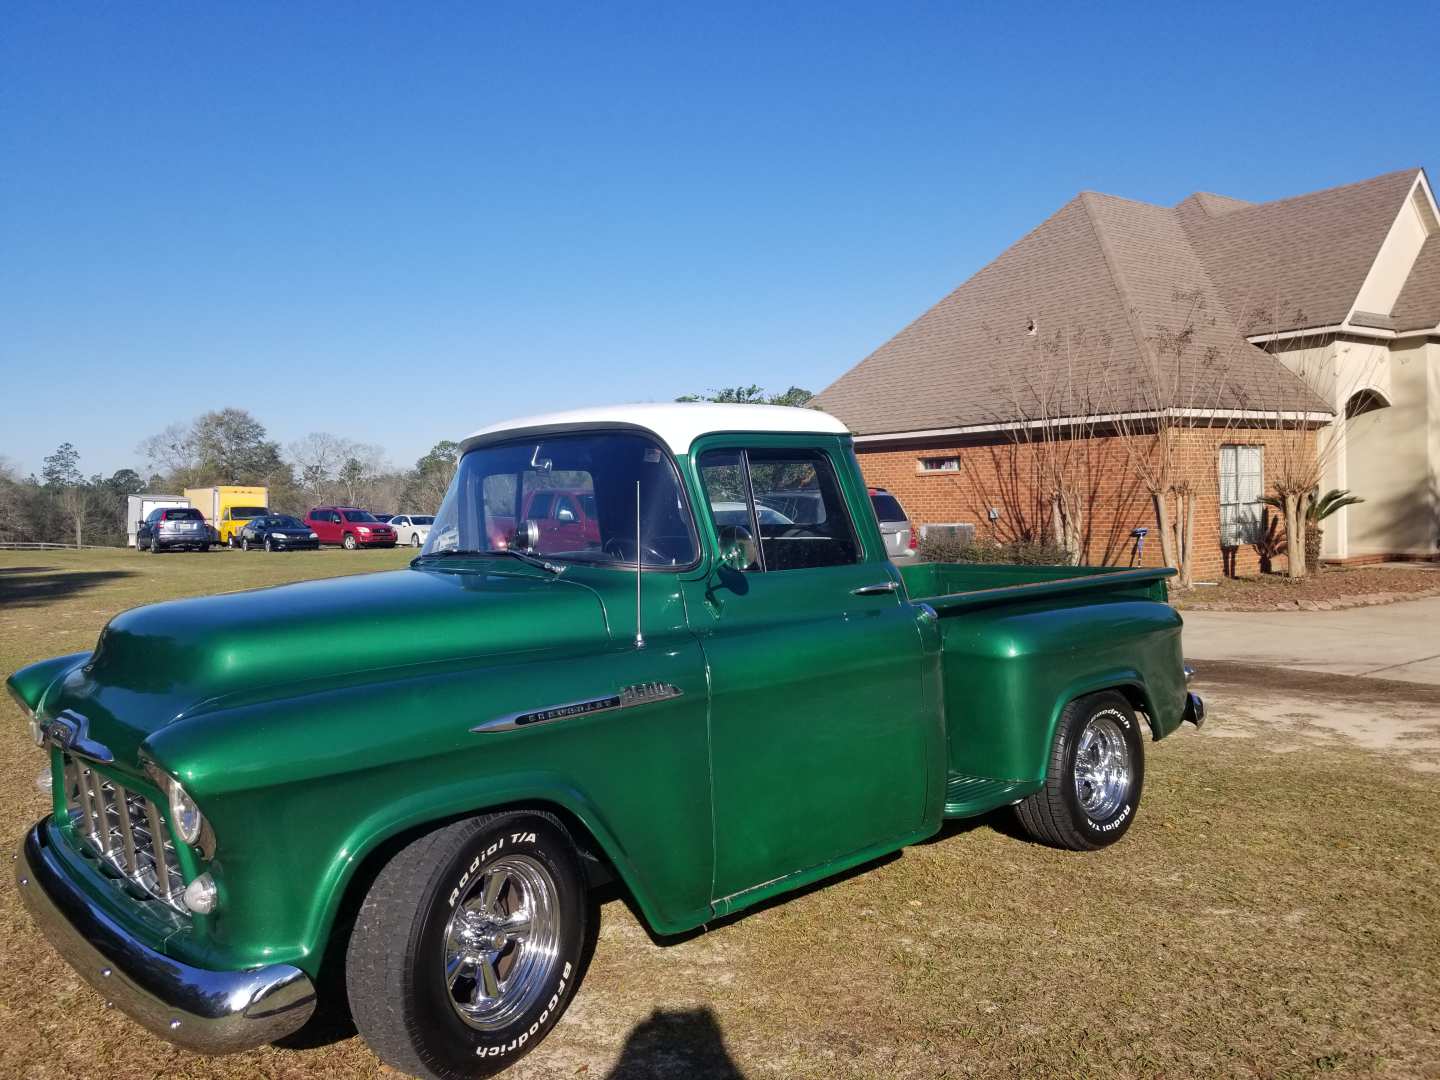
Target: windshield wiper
(523, 556)
(449, 553)
(526, 557)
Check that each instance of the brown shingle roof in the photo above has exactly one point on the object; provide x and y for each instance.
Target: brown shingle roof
(1418, 305)
(1297, 262)
(1106, 280)
(1103, 280)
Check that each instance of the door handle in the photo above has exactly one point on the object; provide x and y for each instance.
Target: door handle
(876, 589)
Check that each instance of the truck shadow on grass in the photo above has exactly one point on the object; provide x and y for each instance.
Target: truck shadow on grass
(684, 1042)
(36, 586)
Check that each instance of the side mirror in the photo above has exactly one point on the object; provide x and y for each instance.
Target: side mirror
(526, 536)
(737, 548)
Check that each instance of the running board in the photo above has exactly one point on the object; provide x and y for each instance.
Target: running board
(969, 796)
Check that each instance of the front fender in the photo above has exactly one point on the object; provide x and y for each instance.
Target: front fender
(534, 790)
(29, 685)
(301, 791)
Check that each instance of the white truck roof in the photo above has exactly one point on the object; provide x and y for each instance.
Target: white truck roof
(677, 424)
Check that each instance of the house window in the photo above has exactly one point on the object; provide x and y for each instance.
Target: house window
(939, 464)
(1242, 482)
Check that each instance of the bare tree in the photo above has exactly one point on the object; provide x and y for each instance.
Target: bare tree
(1180, 384)
(172, 450)
(363, 463)
(318, 457)
(1053, 478)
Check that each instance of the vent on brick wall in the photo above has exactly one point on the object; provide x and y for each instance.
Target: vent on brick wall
(960, 533)
(939, 464)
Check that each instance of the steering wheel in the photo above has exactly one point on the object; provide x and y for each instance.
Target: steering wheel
(624, 550)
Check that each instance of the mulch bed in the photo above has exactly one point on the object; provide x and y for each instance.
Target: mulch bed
(1333, 587)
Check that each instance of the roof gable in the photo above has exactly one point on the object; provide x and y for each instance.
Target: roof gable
(1418, 305)
(1299, 262)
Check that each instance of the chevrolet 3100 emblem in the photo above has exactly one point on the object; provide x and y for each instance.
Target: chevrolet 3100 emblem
(628, 696)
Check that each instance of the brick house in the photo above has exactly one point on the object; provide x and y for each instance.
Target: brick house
(1258, 332)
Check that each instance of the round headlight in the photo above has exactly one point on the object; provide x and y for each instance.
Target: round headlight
(185, 814)
(314, 536)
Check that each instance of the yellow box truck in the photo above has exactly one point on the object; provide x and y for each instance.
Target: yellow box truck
(228, 508)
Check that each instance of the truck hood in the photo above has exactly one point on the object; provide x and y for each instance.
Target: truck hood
(155, 665)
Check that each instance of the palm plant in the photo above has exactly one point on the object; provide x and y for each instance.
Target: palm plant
(1317, 509)
(1269, 539)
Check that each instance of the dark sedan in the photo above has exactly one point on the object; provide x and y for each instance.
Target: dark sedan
(278, 532)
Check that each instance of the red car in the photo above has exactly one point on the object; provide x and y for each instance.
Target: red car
(565, 517)
(349, 527)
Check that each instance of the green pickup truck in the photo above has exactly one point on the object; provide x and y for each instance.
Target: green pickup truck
(716, 699)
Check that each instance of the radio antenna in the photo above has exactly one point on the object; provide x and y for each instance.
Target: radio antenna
(639, 634)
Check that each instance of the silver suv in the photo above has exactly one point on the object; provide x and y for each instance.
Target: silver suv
(895, 527)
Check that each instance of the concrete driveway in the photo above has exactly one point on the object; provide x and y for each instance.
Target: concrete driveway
(1391, 641)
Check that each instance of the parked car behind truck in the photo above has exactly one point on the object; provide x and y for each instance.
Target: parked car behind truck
(412, 529)
(170, 528)
(708, 704)
(350, 527)
(278, 532)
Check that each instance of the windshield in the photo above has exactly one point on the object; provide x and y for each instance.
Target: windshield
(417, 520)
(248, 511)
(359, 515)
(550, 479)
(283, 521)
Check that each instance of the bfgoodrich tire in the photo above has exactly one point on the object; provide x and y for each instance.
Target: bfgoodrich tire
(467, 948)
(1094, 777)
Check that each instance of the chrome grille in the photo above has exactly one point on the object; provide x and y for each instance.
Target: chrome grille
(121, 826)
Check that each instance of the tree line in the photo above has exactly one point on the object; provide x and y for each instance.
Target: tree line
(225, 446)
(231, 446)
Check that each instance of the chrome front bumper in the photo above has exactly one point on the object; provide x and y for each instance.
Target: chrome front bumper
(211, 1012)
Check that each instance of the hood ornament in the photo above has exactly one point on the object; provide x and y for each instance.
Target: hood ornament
(70, 732)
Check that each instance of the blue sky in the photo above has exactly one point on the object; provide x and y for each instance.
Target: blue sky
(402, 222)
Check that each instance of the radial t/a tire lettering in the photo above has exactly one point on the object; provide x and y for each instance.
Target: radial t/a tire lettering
(468, 946)
(1093, 779)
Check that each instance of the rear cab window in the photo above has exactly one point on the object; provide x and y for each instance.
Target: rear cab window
(887, 508)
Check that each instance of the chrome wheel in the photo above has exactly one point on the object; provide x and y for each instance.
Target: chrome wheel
(502, 942)
(1102, 767)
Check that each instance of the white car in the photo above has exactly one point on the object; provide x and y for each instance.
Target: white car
(411, 529)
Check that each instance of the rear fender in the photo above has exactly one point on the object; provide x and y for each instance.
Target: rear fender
(1127, 682)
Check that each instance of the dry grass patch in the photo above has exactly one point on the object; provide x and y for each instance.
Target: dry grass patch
(1270, 915)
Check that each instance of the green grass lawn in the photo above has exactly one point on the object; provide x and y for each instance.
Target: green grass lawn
(1273, 913)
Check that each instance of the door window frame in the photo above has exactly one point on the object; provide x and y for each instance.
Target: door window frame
(744, 447)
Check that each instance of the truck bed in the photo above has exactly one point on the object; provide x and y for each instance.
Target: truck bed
(953, 587)
(1022, 642)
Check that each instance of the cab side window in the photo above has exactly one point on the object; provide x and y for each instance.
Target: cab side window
(722, 472)
(787, 500)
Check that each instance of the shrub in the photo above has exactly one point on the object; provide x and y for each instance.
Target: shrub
(949, 548)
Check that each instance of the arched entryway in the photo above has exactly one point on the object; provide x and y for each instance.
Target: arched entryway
(1375, 468)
